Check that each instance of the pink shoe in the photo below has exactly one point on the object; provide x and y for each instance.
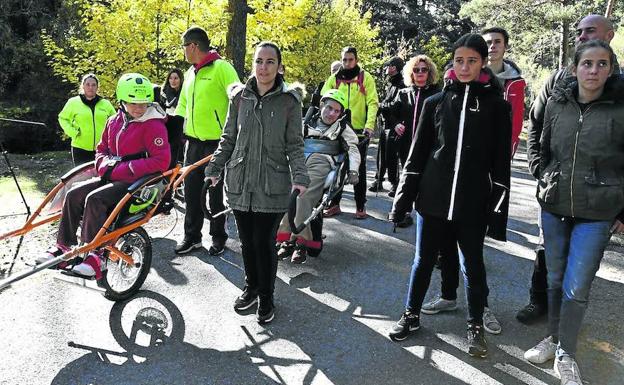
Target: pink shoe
(90, 267)
(360, 214)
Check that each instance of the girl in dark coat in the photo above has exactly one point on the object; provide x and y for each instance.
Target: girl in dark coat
(458, 171)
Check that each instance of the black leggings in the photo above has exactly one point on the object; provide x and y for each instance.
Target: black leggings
(257, 232)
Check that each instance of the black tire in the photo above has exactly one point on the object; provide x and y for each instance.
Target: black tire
(120, 280)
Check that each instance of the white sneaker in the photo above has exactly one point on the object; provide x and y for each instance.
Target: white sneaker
(490, 323)
(566, 368)
(437, 305)
(542, 352)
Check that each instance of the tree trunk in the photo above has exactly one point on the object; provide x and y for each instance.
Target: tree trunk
(236, 39)
(563, 43)
(609, 11)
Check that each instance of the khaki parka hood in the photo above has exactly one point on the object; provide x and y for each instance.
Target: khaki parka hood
(567, 89)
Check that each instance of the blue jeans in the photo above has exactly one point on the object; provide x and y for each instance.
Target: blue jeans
(574, 248)
(432, 234)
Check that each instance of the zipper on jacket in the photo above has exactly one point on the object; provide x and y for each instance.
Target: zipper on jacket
(193, 104)
(458, 151)
(581, 116)
(93, 115)
(415, 120)
(123, 128)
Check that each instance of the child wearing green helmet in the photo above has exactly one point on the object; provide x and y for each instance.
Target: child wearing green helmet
(134, 144)
(330, 125)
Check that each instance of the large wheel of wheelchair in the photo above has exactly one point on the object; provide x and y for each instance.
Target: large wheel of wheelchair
(122, 280)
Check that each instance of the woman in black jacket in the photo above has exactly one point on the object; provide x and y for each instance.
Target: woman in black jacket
(420, 75)
(168, 100)
(458, 171)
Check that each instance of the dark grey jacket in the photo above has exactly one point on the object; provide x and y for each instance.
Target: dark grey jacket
(581, 164)
(261, 148)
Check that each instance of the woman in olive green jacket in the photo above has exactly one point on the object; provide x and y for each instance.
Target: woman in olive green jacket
(83, 119)
(581, 192)
(261, 150)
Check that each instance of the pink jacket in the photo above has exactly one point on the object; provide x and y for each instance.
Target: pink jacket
(122, 138)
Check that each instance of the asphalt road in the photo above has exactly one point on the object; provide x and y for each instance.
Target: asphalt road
(331, 321)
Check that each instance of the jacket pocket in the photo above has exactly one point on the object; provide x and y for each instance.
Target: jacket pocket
(277, 177)
(548, 185)
(234, 175)
(604, 194)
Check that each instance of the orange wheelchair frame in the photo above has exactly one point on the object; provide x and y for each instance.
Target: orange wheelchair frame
(127, 247)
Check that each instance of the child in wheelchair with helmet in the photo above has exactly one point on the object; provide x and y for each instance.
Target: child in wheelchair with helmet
(134, 144)
(327, 135)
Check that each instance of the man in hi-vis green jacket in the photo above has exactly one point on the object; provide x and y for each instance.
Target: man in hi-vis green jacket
(362, 104)
(203, 105)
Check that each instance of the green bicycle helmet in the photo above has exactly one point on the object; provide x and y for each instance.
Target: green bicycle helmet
(337, 96)
(135, 88)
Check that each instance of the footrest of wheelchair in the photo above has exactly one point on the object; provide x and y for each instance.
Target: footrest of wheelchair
(71, 273)
(73, 279)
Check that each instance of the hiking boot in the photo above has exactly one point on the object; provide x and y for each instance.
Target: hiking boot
(300, 255)
(217, 248)
(376, 186)
(409, 322)
(266, 310)
(332, 211)
(360, 214)
(490, 323)
(531, 313)
(406, 222)
(566, 368)
(542, 352)
(286, 249)
(246, 300)
(437, 305)
(477, 347)
(187, 245)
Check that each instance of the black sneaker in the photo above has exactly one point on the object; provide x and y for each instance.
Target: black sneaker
(476, 341)
(285, 250)
(266, 310)
(246, 300)
(187, 245)
(392, 192)
(531, 313)
(409, 322)
(217, 248)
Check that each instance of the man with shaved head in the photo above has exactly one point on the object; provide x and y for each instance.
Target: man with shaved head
(591, 27)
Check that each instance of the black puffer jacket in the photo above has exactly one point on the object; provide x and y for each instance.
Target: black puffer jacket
(459, 162)
(581, 163)
(406, 108)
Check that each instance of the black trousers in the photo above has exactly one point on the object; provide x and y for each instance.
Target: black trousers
(539, 281)
(257, 233)
(92, 201)
(193, 183)
(359, 190)
(387, 159)
(80, 156)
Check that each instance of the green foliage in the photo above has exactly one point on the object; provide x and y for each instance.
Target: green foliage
(118, 36)
(434, 49)
(126, 36)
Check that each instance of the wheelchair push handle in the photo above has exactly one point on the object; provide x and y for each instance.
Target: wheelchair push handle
(204, 202)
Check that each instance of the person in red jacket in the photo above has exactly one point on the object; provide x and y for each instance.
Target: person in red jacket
(509, 76)
(134, 144)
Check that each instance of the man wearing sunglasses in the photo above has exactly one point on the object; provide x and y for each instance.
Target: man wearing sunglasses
(203, 105)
